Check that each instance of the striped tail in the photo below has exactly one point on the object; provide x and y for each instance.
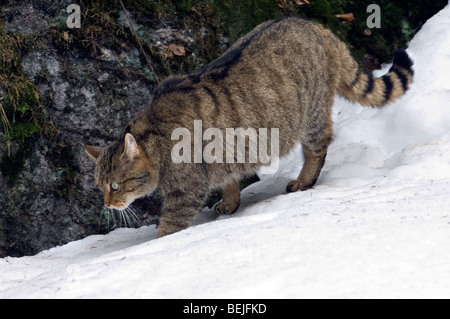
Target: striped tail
(361, 88)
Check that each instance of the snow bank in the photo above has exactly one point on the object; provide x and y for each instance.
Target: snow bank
(376, 225)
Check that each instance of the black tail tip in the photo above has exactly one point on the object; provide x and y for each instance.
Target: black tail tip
(402, 59)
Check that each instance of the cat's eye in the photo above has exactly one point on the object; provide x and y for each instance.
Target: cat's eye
(114, 186)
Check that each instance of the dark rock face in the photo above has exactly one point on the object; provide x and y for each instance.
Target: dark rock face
(89, 95)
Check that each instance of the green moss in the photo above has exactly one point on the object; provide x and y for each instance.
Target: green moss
(239, 17)
(24, 130)
(21, 108)
(98, 18)
(183, 5)
(16, 104)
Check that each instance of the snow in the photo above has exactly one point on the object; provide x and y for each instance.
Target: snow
(377, 224)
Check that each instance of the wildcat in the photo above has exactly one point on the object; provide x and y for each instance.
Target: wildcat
(283, 74)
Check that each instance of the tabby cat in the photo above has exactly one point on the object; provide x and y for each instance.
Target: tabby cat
(284, 74)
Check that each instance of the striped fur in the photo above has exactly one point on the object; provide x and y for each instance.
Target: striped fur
(284, 74)
(361, 88)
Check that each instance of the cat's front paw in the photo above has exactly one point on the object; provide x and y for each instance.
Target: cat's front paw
(226, 208)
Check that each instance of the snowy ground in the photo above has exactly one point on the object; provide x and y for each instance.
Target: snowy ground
(376, 225)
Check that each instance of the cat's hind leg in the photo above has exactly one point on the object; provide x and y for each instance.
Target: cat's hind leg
(231, 198)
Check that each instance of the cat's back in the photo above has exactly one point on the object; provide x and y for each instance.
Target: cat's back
(271, 42)
(283, 31)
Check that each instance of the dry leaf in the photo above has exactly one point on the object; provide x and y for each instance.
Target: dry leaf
(165, 53)
(346, 16)
(66, 36)
(289, 5)
(177, 49)
(302, 2)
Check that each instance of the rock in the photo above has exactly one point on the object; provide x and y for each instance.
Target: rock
(89, 94)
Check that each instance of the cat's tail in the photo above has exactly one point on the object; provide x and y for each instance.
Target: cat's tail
(358, 87)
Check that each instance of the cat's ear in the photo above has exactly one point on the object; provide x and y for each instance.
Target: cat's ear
(93, 151)
(131, 149)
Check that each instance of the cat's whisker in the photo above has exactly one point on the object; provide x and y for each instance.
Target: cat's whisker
(120, 215)
(126, 217)
(133, 214)
(124, 220)
(129, 218)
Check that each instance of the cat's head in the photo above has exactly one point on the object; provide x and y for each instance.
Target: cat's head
(123, 172)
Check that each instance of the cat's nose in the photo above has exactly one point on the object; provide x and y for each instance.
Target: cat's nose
(107, 204)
